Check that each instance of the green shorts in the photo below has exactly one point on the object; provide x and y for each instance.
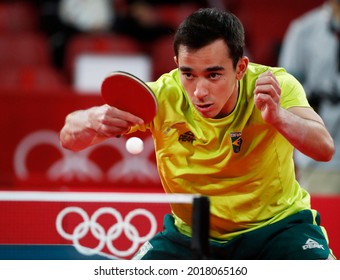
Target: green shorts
(297, 237)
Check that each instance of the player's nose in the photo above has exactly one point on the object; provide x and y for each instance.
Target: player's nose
(201, 89)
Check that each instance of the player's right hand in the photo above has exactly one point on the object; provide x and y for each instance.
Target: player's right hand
(110, 121)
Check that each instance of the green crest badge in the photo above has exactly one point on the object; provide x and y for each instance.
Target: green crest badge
(236, 140)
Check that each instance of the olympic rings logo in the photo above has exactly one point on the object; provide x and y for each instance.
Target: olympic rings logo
(121, 226)
(80, 166)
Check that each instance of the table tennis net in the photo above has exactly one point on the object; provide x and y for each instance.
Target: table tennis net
(88, 225)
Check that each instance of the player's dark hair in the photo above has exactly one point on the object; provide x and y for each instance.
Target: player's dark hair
(208, 25)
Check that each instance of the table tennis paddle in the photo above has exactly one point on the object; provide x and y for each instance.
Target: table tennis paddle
(129, 93)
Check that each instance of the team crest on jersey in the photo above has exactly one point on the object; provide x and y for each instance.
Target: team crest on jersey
(236, 140)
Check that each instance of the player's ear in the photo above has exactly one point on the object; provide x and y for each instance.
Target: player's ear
(176, 60)
(241, 67)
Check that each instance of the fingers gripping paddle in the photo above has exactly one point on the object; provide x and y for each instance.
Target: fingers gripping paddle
(128, 93)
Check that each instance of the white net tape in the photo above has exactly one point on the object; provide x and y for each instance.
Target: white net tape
(96, 197)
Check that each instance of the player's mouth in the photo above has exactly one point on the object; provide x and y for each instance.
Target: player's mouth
(203, 108)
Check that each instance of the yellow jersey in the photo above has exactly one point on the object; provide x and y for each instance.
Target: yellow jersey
(243, 164)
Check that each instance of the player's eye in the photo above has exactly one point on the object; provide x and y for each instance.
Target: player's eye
(214, 76)
(187, 75)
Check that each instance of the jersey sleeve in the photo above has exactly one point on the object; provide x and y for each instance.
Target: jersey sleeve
(292, 92)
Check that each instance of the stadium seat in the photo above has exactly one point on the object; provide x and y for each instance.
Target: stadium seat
(173, 15)
(24, 49)
(97, 44)
(18, 17)
(266, 23)
(32, 78)
(162, 55)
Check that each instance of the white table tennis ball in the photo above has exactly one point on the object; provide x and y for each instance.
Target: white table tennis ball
(134, 145)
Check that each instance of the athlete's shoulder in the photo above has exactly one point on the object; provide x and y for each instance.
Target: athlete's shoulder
(168, 86)
(254, 70)
(170, 79)
(291, 88)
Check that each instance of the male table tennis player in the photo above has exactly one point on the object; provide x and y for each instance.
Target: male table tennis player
(225, 128)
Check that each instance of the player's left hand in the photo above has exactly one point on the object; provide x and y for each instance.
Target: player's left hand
(267, 97)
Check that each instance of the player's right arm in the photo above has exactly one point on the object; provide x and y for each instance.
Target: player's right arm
(84, 128)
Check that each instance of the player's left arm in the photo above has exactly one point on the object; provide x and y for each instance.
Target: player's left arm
(301, 126)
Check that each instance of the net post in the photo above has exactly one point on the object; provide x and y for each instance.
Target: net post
(200, 228)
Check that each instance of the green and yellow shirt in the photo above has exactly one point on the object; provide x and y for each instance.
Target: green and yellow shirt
(242, 163)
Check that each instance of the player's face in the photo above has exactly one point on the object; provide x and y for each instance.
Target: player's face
(210, 79)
